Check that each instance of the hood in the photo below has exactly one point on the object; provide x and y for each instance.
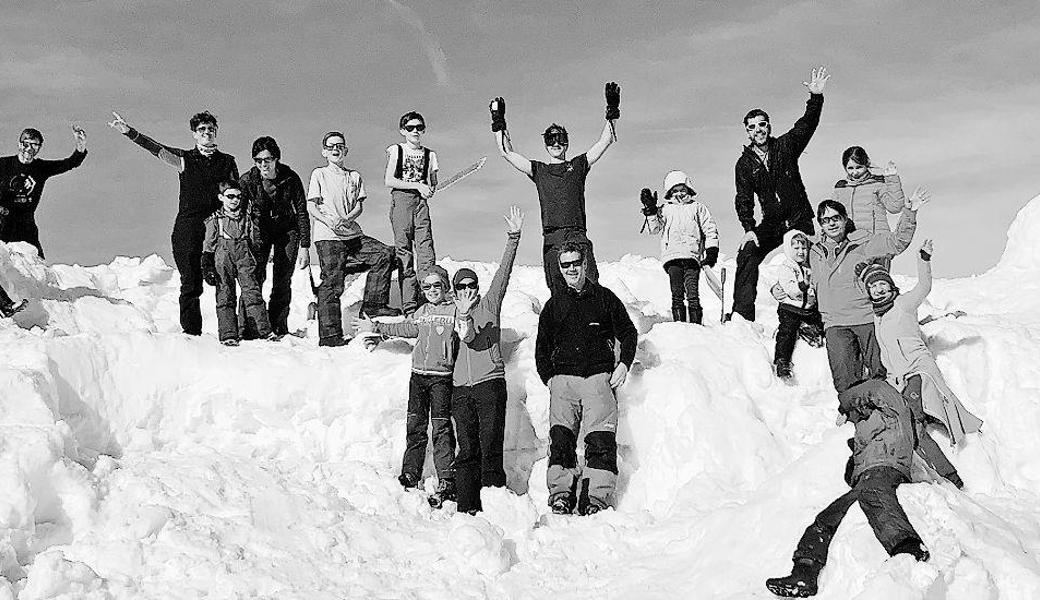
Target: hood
(786, 245)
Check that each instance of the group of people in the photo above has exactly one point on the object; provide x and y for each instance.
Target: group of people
(832, 289)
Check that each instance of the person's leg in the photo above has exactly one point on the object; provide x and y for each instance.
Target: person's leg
(330, 316)
(425, 255)
(286, 248)
(255, 313)
(402, 220)
(745, 280)
(870, 351)
(550, 262)
(691, 285)
(227, 317)
(600, 417)
(467, 462)
(491, 399)
(876, 492)
(416, 437)
(247, 328)
(564, 423)
(926, 446)
(187, 255)
(443, 432)
(843, 354)
(786, 337)
(815, 542)
(676, 283)
(379, 259)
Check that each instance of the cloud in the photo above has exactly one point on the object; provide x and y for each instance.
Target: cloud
(64, 71)
(438, 60)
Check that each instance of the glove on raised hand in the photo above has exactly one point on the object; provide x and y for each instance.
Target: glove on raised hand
(649, 200)
(612, 92)
(498, 114)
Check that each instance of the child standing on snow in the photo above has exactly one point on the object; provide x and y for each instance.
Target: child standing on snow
(689, 240)
(911, 365)
(797, 297)
(232, 236)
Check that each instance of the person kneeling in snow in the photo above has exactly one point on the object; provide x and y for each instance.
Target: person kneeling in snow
(911, 365)
(574, 355)
(882, 451)
(689, 241)
(797, 310)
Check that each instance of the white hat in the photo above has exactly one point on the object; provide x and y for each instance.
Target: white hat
(674, 178)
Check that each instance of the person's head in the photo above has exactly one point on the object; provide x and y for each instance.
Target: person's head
(29, 143)
(334, 147)
(434, 284)
(834, 219)
(204, 129)
(230, 195)
(413, 126)
(571, 261)
(877, 281)
(799, 247)
(856, 162)
(556, 141)
(266, 155)
(679, 186)
(466, 279)
(756, 123)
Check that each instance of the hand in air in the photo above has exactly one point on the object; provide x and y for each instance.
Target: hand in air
(514, 220)
(919, 198)
(818, 80)
(119, 124)
(465, 299)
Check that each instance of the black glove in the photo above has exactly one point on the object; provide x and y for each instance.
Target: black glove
(925, 255)
(711, 256)
(613, 94)
(804, 286)
(498, 114)
(649, 200)
(209, 268)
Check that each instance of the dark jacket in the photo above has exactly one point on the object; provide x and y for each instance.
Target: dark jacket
(286, 211)
(577, 332)
(779, 187)
(884, 427)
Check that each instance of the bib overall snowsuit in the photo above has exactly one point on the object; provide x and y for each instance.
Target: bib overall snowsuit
(231, 238)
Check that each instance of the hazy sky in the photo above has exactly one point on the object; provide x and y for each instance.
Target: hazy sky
(947, 93)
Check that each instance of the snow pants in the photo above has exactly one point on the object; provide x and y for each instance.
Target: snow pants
(235, 262)
(684, 276)
(791, 319)
(579, 404)
(480, 422)
(187, 238)
(551, 243)
(339, 259)
(413, 243)
(429, 397)
(926, 446)
(285, 246)
(749, 258)
(876, 493)
(853, 354)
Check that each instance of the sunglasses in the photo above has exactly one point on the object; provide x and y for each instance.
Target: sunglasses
(232, 195)
(556, 139)
(30, 144)
(832, 219)
(567, 264)
(754, 126)
(430, 286)
(335, 146)
(420, 127)
(466, 286)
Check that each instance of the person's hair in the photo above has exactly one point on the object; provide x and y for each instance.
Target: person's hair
(202, 117)
(567, 247)
(32, 133)
(800, 239)
(857, 154)
(228, 184)
(408, 116)
(837, 207)
(332, 134)
(266, 143)
(755, 112)
(554, 128)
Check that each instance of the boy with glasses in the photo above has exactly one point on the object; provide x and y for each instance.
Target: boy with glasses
(411, 175)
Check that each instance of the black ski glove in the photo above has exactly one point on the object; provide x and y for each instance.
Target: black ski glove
(209, 268)
(804, 286)
(925, 255)
(649, 200)
(498, 114)
(711, 256)
(613, 94)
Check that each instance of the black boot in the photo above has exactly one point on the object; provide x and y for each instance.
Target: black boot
(678, 313)
(913, 547)
(955, 479)
(783, 369)
(801, 583)
(445, 492)
(695, 313)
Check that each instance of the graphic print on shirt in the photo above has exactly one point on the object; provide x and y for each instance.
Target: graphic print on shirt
(412, 167)
(21, 187)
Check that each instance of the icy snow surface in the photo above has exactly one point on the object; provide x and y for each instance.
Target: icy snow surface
(136, 462)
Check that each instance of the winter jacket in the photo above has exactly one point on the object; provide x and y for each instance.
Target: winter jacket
(779, 186)
(577, 332)
(868, 199)
(226, 229)
(436, 344)
(842, 299)
(792, 274)
(905, 354)
(286, 210)
(687, 230)
(884, 427)
(480, 354)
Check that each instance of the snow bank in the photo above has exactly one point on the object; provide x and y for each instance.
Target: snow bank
(136, 462)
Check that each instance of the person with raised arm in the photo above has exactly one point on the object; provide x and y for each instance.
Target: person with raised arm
(869, 196)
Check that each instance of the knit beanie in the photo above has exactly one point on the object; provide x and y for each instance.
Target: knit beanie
(868, 273)
(464, 273)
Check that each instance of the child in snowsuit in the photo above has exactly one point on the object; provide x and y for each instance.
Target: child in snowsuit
(689, 240)
(232, 236)
(797, 310)
(882, 451)
(430, 387)
(911, 365)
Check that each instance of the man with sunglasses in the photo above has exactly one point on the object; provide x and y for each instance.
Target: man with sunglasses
(200, 169)
(21, 184)
(768, 168)
(560, 183)
(335, 199)
(578, 329)
(411, 175)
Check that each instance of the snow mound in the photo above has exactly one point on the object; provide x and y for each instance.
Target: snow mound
(137, 462)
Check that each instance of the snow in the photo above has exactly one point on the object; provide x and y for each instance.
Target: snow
(137, 462)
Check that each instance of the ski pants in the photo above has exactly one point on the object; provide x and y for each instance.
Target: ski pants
(339, 259)
(235, 262)
(684, 276)
(791, 320)
(749, 258)
(413, 243)
(582, 404)
(429, 398)
(853, 354)
(551, 243)
(187, 238)
(285, 247)
(926, 446)
(876, 493)
(480, 422)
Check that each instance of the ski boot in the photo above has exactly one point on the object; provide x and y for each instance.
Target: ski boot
(801, 583)
(562, 505)
(8, 310)
(445, 492)
(912, 547)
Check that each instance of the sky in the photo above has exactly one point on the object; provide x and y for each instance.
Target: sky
(945, 90)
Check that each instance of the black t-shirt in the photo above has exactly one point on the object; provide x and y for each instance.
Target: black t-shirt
(561, 192)
(21, 185)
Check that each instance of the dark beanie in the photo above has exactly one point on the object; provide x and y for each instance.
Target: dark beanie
(464, 273)
(870, 272)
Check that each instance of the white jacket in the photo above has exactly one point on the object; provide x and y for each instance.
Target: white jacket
(790, 274)
(686, 230)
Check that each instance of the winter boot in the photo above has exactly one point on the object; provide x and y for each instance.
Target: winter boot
(695, 313)
(783, 369)
(8, 310)
(956, 480)
(561, 505)
(409, 480)
(678, 313)
(913, 547)
(591, 509)
(232, 342)
(801, 583)
(445, 492)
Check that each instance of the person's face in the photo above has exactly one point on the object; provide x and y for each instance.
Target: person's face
(855, 170)
(29, 147)
(433, 288)
(335, 150)
(413, 131)
(800, 250)
(205, 134)
(757, 130)
(231, 199)
(879, 290)
(572, 266)
(467, 284)
(680, 193)
(833, 224)
(557, 149)
(266, 163)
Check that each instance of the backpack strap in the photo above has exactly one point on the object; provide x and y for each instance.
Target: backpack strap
(398, 172)
(426, 166)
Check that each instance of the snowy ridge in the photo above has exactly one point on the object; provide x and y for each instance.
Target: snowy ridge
(136, 462)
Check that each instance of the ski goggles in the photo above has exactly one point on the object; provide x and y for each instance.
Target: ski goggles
(554, 138)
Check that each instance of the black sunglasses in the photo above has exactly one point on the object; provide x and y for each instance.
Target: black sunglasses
(566, 264)
(420, 128)
(466, 286)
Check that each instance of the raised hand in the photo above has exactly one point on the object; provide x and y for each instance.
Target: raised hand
(514, 220)
(465, 299)
(81, 137)
(926, 250)
(498, 114)
(649, 200)
(612, 91)
(119, 124)
(890, 169)
(818, 80)
(919, 198)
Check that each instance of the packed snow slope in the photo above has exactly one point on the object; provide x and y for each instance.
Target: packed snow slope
(140, 463)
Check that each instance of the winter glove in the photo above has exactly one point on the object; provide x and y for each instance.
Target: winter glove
(925, 255)
(498, 114)
(649, 200)
(711, 256)
(612, 92)
(803, 286)
(209, 268)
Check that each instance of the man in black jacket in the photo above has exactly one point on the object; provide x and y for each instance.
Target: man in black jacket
(574, 353)
(768, 168)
